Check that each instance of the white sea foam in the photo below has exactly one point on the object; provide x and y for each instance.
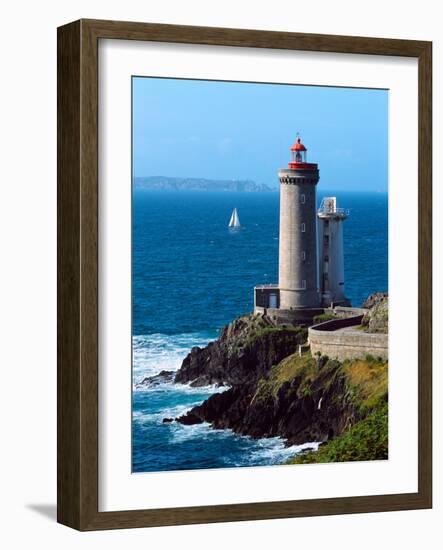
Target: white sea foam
(157, 417)
(183, 388)
(212, 388)
(265, 451)
(156, 352)
(274, 451)
(196, 432)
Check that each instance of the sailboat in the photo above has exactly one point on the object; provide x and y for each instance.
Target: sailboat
(234, 222)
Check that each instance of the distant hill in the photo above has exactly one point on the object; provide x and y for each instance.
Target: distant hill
(198, 184)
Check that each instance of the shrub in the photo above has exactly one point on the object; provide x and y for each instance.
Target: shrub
(323, 317)
(366, 440)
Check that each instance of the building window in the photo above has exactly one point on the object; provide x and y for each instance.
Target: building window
(303, 227)
(302, 199)
(303, 284)
(303, 255)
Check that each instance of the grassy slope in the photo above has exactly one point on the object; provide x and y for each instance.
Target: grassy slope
(366, 383)
(366, 440)
(250, 328)
(366, 380)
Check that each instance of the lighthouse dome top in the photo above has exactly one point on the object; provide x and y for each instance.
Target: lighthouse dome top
(298, 146)
(299, 159)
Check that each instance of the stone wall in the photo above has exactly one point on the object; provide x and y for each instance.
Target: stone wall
(348, 344)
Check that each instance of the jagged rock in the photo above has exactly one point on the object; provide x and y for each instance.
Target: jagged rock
(167, 420)
(189, 419)
(287, 413)
(163, 377)
(374, 299)
(377, 317)
(246, 350)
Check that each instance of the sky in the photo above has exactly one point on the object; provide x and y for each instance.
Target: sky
(237, 130)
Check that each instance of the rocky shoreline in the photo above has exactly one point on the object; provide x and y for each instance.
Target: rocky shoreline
(300, 398)
(276, 389)
(245, 351)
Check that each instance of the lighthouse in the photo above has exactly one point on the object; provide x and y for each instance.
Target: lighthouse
(298, 265)
(311, 259)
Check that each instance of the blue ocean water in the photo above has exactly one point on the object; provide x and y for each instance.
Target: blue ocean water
(191, 276)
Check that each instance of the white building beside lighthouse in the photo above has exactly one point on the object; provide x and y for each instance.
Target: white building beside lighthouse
(311, 260)
(331, 266)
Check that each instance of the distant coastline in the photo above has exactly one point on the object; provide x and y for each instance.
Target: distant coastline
(165, 183)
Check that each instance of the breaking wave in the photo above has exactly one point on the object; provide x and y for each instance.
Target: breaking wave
(163, 446)
(156, 352)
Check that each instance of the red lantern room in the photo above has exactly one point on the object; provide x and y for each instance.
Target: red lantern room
(299, 157)
(298, 152)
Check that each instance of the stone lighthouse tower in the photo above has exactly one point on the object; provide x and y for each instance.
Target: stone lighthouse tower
(298, 264)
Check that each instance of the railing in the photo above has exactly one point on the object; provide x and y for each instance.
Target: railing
(336, 324)
(340, 211)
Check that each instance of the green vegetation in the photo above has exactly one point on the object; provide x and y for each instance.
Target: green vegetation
(359, 383)
(366, 440)
(357, 389)
(366, 381)
(261, 331)
(246, 330)
(294, 366)
(323, 317)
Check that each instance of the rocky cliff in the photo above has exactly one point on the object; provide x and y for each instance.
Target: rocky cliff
(245, 351)
(277, 392)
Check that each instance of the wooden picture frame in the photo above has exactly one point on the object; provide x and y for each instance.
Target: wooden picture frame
(78, 273)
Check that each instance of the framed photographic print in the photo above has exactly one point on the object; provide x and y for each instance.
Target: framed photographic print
(244, 274)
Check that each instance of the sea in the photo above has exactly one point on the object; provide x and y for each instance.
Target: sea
(191, 275)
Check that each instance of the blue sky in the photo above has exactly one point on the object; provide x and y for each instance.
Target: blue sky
(233, 130)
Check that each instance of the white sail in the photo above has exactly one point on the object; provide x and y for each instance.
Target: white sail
(235, 220)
